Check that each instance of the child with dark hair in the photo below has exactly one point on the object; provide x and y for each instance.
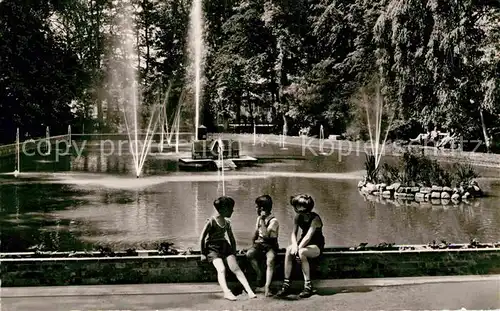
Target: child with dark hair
(310, 244)
(265, 240)
(216, 248)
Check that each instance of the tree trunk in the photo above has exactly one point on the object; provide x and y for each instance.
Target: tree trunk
(146, 36)
(485, 131)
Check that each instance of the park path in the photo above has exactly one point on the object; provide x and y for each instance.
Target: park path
(423, 293)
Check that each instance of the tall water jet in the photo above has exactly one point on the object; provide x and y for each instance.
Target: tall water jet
(196, 54)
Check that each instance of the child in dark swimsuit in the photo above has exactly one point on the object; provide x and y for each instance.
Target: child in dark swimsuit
(265, 240)
(310, 245)
(216, 248)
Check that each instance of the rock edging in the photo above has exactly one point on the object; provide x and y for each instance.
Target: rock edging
(420, 193)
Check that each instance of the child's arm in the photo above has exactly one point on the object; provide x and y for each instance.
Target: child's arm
(203, 238)
(294, 235)
(271, 229)
(256, 233)
(315, 224)
(232, 240)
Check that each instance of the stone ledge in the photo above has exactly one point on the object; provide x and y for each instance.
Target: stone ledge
(189, 269)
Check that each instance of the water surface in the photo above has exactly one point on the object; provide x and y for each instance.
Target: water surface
(80, 203)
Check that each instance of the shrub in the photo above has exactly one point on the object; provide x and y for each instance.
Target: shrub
(463, 173)
(371, 169)
(414, 169)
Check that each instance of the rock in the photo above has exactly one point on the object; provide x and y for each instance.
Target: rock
(427, 196)
(445, 195)
(395, 186)
(455, 197)
(447, 189)
(361, 184)
(436, 201)
(425, 190)
(370, 188)
(376, 193)
(437, 188)
(419, 197)
(410, 196)
(415, 189)
(400, 189)
(445, 201)
(400, 202)
(466, 196)
(436, 195)
(387, 194)
(382, 186)
(477, 191)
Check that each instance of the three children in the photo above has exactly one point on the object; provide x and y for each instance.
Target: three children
(215, 247)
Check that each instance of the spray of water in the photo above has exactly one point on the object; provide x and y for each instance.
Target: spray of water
(221, 161)
(283, 135)
(131, 103)
(197, 51)
(18, 154)
(375, 126)
(321, 139)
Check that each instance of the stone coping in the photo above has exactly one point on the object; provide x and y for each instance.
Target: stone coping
(153, 254)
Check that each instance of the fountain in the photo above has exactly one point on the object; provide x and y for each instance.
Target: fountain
(69, 135)
(283, 135)
(321, 140)
(220, 173)
(377, 144)
(18, 155)
(205, 152)
(130, 100)
(254, 134)
(197, 54)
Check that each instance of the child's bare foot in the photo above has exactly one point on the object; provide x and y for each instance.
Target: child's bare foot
(252, 295)
(229, 296)
(259, 289)
(267, 292)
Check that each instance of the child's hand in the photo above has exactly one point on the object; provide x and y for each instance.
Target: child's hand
(203, 258)
(293, 250)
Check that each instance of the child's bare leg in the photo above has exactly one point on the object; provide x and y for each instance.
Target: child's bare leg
(251, 255)
(310, 251)
(235, 268)
(270, 270)
(288, 263)
(288, 271)
(221, 277)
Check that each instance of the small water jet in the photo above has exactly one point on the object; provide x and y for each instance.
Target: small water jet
(254, 134)
(18, 155)
(283, 135)
(220, 174)
(321, 140)
(69, 135)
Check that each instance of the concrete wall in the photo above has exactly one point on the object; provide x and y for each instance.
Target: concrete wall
(175, 269)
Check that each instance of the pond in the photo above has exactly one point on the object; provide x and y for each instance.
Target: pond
(79, 203)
